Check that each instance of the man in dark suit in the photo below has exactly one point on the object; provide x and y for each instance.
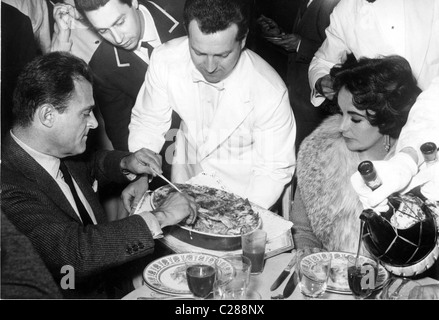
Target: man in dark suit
(301, 43)
(120, 62)
(49, 183)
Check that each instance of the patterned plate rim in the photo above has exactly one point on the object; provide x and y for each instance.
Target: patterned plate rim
(383, 274)
(153, 271)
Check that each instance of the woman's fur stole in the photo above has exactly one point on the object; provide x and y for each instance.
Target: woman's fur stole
(324, 169)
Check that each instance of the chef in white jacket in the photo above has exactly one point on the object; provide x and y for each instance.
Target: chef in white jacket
(237, 123)
(409, 28)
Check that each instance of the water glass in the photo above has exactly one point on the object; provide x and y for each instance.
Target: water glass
(230, 289)
(313, 275)
(233, 286)
(241, 266)
(253, 247)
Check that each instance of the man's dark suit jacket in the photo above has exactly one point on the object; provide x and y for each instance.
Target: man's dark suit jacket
(34, 203)
(119, 73)
(311, 28)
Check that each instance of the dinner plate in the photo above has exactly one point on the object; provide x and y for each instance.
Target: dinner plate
(167, 274)
(338, 277)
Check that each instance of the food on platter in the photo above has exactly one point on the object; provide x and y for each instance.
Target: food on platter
(219, 212)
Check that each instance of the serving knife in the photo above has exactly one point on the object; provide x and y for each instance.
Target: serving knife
(284, 274)
(163, 177)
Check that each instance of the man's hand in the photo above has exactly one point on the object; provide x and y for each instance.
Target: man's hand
(176, 207)
(324, 87)
(143, 161)
(269, 27)
(289, 42)
(132, 194)
(395, 175)
(63, 14)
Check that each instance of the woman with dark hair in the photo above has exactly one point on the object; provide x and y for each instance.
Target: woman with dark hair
(374, 97)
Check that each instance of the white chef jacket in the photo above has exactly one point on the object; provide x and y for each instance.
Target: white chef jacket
(250, 141)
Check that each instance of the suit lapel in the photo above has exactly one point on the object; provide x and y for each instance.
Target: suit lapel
(165, 23)
(24, 163)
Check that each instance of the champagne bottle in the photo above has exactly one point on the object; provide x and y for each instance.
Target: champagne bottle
(369, 174)
(429, 151)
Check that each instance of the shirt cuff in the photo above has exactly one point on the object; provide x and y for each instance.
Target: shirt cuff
(153, 225)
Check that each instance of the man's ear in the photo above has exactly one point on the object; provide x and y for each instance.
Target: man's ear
(135, 4)
(243, 41)
(46, 115)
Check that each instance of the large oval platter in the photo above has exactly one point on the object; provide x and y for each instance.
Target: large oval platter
(222, 217)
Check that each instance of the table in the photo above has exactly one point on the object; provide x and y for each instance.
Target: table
(262, 282)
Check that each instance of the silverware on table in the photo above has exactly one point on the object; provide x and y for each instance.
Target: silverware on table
(291, 285)
(284, 274)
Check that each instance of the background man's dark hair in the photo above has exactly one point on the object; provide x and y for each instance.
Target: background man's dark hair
(217, 15)
(47, 79)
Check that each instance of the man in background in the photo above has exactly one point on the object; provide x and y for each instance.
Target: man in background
(50, 184)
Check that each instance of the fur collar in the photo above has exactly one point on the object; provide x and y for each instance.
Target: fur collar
(324, 168)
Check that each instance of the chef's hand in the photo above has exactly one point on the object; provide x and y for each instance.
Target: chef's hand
(143, 161)
(176, 207)
(324, 86)
(134, 192)
(425, 292)
(395, 174)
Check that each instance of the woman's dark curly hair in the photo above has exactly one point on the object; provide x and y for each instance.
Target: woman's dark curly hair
(384, 87)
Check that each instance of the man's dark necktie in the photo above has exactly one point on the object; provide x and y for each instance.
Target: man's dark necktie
(150, 48)
(85, 217)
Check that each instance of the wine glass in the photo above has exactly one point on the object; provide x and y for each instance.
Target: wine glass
(200, 277)
(362, 277)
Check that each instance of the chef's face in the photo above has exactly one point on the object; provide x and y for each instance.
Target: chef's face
(215, 55)
(118, 23)
(359, 135)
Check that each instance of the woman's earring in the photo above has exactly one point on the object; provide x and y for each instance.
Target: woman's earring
(387, 143)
